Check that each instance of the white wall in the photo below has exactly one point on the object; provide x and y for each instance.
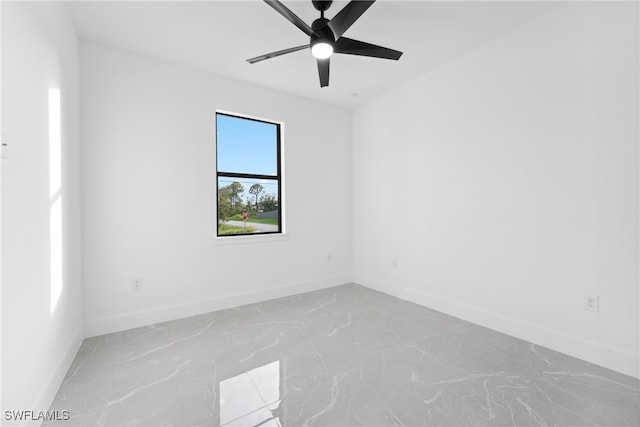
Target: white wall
(39, 53)
(149, 189)
(505, 184)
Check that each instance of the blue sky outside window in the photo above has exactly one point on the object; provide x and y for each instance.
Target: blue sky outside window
(247, 146)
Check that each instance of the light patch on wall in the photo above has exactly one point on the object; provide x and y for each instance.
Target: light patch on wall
(55, 196)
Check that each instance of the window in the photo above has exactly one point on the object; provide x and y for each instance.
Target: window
(248, 175)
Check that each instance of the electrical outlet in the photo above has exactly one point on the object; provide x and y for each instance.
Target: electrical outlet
(591, 303)
(137, 284)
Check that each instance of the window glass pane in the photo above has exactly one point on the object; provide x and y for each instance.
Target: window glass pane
(246, 146)
(259, 197)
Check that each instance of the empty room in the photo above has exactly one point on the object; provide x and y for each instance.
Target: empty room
(317, 213)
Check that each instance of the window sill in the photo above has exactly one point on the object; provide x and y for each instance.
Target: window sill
(240, 240)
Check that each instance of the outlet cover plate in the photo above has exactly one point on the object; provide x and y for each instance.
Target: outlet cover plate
(592, 303)
(137, 284)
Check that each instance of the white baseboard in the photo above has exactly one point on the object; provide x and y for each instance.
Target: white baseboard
(102, 326)
(596, 353)
(50, 389)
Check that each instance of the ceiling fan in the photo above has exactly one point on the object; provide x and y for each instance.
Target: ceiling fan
(326, 35)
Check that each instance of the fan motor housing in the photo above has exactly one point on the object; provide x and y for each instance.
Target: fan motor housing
(320, 27)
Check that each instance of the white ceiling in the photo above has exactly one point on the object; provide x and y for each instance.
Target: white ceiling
(218, 36)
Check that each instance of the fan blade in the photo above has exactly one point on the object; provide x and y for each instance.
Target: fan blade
(290, 16)
(278, 53)
(323, 71)
(347, 16)
(355, 47)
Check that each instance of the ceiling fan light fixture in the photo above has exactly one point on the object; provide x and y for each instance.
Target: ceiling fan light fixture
(321, 49)
(326, 35)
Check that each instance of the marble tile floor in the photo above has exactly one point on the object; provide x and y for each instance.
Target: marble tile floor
(343, 356)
